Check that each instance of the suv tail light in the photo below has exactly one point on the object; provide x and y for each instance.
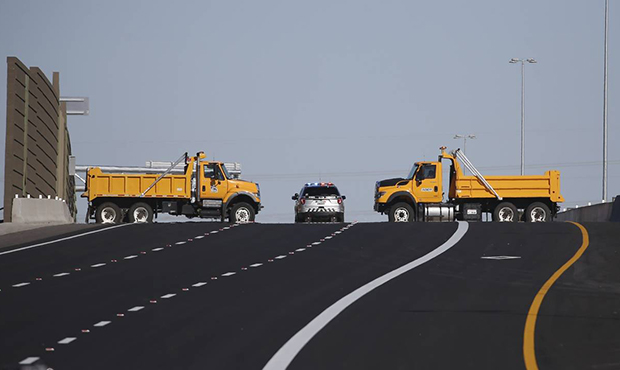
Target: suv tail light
(302, 200)
(339, 200)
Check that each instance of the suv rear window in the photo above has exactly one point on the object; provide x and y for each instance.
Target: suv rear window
(320, 191)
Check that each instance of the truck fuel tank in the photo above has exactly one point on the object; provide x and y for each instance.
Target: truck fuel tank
(438, 212)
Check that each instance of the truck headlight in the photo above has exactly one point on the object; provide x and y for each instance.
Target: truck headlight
(379, 194)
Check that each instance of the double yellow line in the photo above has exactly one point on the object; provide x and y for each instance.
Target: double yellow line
(529, 354)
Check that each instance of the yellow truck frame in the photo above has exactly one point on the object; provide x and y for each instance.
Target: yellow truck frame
(204, 190)
(420, 195)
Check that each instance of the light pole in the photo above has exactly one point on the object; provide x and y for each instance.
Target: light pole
(464, 137)
(523, 61)
(605, 103)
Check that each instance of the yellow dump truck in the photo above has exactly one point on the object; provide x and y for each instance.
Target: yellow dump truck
(204, 189)
(420, 195)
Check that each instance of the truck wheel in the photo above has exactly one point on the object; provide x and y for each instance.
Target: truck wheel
(140, 213)
(108, 213)
(505, 212)
(537, 212)
(401, 212)
(241, 213)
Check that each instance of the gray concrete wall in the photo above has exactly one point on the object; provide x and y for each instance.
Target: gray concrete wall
(595, 213)
(40, 211)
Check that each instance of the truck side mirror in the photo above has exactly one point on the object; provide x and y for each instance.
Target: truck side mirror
(419, 176)
(343, 197)
(295, 197)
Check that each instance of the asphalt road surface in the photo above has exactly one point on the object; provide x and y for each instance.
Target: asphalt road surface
(330, 296)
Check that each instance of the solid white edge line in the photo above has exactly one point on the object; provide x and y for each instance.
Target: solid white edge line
(285, 355)
(62, 239)
(28, 360)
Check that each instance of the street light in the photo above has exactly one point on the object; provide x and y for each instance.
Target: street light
(464, 137)
(605, 133)
(522, 61)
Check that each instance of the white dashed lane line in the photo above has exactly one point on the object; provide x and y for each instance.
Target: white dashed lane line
(135, 309)
(300, 250)
(214, 232)
(166, 296)
(280, 257)
(199, 237)
(180, 243)
(256, 265)
(157, 249)
(67, 340)
(61, 274)
(228, 274)
(29, 361)
(130, 257)
(102, 324)
(97, 265)
(316, 243)
(198, 285)
(20, 285)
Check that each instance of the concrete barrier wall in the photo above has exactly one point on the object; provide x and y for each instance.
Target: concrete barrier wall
(603, 212)
(40, 211)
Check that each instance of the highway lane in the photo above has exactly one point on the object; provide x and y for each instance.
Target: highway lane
(54, 306)
(458, 310)
(264, 284)
(579, 326)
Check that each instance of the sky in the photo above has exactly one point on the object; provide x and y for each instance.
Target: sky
(344, 91)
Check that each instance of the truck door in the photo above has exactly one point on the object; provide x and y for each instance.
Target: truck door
(427, 184)
(213, 185)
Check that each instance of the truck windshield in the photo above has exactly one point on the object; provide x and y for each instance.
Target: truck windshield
(225, 171)
(412, 172)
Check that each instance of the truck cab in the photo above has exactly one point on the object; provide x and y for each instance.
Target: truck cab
(221, 195)
(423, 184)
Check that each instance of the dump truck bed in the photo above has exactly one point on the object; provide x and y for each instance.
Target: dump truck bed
(101, 184)
(544, 186)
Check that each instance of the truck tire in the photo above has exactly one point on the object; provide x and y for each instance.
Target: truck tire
(108, 213)
(401, 212)
(537, 212)
(506, 212)
(241, 213)
(140, 213)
